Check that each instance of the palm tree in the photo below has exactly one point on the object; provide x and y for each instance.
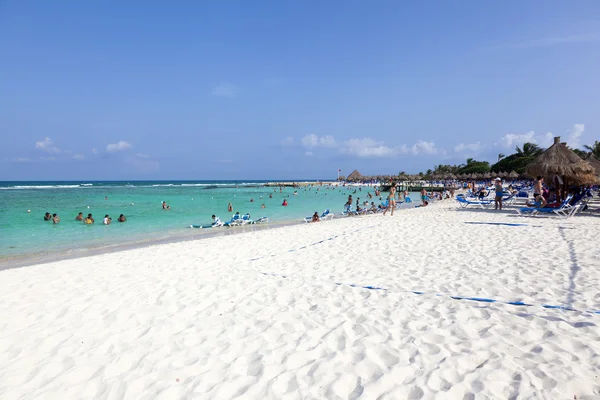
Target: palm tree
(594, 149)
(501, 156)
(528, 150)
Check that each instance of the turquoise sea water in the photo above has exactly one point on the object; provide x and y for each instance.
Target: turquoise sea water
(26, 233)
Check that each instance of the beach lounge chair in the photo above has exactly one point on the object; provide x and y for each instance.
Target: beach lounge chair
(348, 212)
(464, 203)
(262, 220)
(564, 210)
(235, 220)
(246, 220)
(326, 215)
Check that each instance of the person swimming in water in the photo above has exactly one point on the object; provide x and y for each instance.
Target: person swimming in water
(165, 206)
(79, 217)
(285, 203)
(55, 218)
(107, 220)
(47, 216)
(88, 220)
(229, 207)
(122, 218)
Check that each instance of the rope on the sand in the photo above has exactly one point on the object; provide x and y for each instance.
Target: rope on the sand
(476, 299)
(370, 287)
(312, 244)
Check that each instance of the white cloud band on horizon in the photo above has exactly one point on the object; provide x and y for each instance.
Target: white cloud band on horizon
(313, 140)
(47, 145)
(119, 146)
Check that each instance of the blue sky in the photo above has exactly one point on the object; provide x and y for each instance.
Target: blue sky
(282, 89)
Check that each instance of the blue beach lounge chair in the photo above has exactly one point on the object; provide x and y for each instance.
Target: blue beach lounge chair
(564, 210)
(464, 203)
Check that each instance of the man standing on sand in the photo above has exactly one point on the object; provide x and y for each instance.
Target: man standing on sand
(499, 192)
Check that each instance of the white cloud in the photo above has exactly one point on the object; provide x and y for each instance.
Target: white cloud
(511, 140)
(308, 153)
(461, 147)
(424, 147)
(19, 160)
(367, 147)
(142, 155)
(288, 141)
(550, 42)
(47, 146)
(574, 135)
(119, 146)
(78, 157)
(225, 89)
(313, 140)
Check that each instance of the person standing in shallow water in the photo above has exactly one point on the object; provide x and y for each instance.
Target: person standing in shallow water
(229, 207)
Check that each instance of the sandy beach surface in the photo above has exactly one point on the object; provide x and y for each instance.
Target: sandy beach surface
(318, 311)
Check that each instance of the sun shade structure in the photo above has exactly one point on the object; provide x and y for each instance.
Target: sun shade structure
(559, 161)
(594, 163)
(354, 176)
(513, 175)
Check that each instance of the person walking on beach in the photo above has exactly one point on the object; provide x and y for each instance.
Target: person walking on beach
(499, 191)
(423, 196)
(391, 201)
(315, 217)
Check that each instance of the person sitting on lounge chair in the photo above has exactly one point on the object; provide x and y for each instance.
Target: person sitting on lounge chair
(315, 217)
(539, 201)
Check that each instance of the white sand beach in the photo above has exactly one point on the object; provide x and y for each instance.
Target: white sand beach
(244, 317)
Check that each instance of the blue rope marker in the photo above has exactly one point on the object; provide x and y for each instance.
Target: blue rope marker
(476, 299)
(502, 224)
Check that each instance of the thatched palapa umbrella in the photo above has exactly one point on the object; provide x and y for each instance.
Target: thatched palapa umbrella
(560, 165)
(513, 175)
(593, 162)
(354, 176)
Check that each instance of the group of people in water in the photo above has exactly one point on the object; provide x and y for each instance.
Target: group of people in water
(106, 220)
(89, 220)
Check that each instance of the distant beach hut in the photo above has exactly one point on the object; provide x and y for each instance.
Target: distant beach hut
(355, 176)
(503, 174)
(402, 177)
(487, 175)
(513, 175)
(593, 162)
(561, 166)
